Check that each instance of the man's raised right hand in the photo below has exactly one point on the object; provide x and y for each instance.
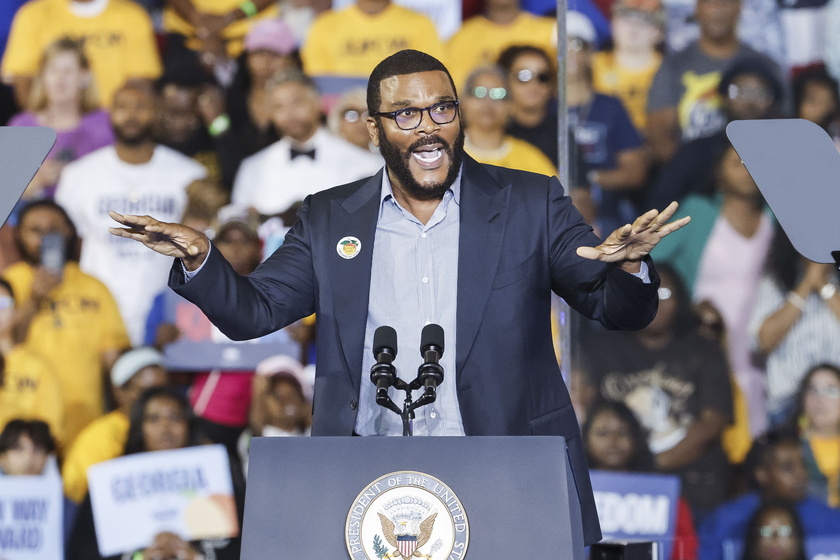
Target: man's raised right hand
(172, 240)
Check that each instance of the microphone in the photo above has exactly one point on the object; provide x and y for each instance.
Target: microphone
(431, 348)
(383, 374)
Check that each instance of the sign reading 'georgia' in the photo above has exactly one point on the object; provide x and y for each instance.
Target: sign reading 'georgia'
(187, 491)
(404, 515)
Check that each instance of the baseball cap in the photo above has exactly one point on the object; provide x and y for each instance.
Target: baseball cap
(270, 35)
(133, 361)
(580, 27)
(651, 10)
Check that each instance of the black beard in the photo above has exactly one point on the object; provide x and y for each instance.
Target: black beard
(397, 163)
(142, 136)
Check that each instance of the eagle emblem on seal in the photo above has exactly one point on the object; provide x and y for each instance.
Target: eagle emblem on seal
(408, 528)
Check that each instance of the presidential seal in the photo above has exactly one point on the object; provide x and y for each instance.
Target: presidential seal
(406, 515)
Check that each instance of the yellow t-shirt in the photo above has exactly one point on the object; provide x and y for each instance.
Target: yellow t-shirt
(631, 86)
(515, 154)
(119, 42)
(479, 42)
(827, 454)
(102, 440)
(233, 34)
(349, 42)
(75, 326)
(30, 391)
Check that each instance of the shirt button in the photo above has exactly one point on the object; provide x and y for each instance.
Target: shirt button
(433, 414)
(425, 280)
(423, 235)
(353, 405)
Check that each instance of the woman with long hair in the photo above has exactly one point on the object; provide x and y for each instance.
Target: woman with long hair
(817, 420)
(161, 420)
(615, 440)
(64, 98)
(774, 533)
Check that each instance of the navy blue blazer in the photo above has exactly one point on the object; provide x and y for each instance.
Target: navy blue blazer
(518, 237)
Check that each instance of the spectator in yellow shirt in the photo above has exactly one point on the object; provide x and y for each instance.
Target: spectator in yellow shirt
(483, 37)
(485, 108)
(117, 34)
(214, 27)
(626, 71)
(104, 439)
(351, 41)
(66, 316)
(28, 387)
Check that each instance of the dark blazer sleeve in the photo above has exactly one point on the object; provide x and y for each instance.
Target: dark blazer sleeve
(600, 291)
(279, 292)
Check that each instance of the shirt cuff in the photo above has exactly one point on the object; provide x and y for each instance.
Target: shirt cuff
(188, 274)
(641, 275)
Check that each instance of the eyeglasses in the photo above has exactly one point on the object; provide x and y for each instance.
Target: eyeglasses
(443, 112)
(496, 93)
(525, 76)
(762, 95)
(352, 115)
(767, 531)
(827, 392)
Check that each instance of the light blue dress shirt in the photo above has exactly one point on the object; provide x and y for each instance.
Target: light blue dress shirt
(414, 279)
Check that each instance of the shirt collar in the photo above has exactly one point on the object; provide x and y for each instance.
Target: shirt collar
(387, 192)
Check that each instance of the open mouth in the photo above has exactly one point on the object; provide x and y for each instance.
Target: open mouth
(428, 156)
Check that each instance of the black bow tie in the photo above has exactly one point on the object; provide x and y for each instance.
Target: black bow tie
(307, 153)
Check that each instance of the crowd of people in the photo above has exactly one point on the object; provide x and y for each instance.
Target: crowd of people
(224, 115)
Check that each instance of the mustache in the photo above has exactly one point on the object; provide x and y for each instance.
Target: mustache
(434, 139)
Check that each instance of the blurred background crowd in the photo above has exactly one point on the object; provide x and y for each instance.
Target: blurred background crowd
(225, 114)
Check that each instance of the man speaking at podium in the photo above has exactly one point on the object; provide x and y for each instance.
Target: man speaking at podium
(432, 238)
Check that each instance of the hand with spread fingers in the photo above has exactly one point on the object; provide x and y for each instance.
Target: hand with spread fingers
(172, 240)
(629, 244)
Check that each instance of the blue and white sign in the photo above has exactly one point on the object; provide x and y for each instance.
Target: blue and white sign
(31, 513)
(637, 506)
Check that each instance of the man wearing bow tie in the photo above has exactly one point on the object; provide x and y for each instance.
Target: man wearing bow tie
(308, 159)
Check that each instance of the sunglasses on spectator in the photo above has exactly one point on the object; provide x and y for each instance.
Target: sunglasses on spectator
(763, 95)
(352, 115)
(525, 76)
(496, 93)
(767, 531)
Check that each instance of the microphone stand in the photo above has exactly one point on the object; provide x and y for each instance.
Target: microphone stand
(409, 405)
(429, 374)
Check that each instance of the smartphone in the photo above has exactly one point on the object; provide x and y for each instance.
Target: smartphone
(53, 248)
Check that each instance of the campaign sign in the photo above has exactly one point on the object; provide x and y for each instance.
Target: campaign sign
(31, 513)
(637, 506)
(186, 491)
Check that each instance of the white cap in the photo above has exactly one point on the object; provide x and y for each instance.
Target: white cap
(286, 365)
(133, 361)
(580, 26)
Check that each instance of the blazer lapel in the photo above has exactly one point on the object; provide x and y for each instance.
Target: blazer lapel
(355, 216)
(483, 216)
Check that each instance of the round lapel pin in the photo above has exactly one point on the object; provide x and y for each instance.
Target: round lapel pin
(348, 247)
